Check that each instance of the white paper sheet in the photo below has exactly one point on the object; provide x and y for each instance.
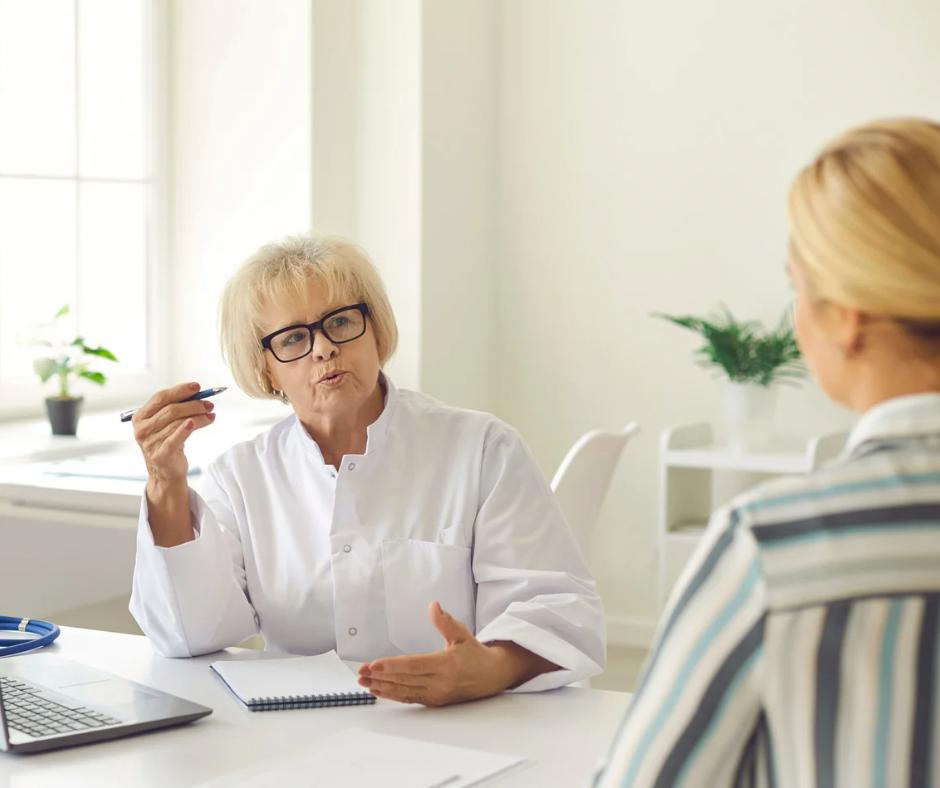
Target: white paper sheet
(356, 757)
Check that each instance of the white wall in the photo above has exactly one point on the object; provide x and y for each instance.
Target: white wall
(645, 151)
(459, 176)
(388, 172)
(404, 161)
(239, 155)
(335, 115)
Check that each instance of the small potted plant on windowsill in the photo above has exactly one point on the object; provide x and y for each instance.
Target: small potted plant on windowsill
(65, 361)
(752, 359)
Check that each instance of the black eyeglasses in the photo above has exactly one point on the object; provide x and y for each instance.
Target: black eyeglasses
(339, 326)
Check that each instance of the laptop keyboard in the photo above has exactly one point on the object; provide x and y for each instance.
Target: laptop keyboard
(29, 711)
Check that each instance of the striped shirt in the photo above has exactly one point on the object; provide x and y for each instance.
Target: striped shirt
(800, 646)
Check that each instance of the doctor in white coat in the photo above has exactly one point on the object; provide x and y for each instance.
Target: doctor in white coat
(415, 537)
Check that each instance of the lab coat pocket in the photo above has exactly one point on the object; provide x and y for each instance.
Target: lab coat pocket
(416, 574)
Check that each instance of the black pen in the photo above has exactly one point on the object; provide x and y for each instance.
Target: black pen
(127, 415)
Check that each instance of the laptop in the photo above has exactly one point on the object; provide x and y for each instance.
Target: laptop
(48, 702)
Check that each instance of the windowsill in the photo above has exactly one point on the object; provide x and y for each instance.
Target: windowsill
(30, 440)
(102, 470)
(24, 399)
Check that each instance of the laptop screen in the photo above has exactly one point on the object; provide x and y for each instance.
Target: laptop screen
(3, 723)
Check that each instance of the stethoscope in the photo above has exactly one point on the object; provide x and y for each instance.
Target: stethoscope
(45, 632)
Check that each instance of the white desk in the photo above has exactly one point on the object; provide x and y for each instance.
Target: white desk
(563, 732)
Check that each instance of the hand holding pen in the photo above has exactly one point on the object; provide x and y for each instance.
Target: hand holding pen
(162, 425)
(127, 415)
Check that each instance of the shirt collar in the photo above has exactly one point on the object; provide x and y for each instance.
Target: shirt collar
(376, 432)
(899, 417)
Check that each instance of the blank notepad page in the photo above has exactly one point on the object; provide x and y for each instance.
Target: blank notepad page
(292, 682)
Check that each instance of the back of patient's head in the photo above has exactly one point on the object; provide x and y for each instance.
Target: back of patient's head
(865, 222)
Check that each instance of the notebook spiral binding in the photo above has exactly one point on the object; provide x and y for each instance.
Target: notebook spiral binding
(311, 701)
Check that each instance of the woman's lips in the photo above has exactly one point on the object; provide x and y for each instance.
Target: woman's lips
(332, 379)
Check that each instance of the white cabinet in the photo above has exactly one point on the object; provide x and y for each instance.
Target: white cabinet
(697, 475)
(58, 559)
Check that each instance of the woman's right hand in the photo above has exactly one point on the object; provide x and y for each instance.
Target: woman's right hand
(161, 427)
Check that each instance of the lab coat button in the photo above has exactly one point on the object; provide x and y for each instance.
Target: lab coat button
(351, 466)
(353, 631)
(347, 548)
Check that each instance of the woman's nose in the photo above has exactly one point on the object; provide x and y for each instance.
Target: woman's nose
(322, 347)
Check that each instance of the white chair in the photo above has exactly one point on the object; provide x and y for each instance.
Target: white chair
(582, 479)
(581, 483)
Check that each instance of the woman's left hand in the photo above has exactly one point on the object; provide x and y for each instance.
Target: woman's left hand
(465, 669)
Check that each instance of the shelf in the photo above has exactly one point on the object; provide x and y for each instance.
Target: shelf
(698, 472)
(694, 446)
(691, 530)
(723, 458)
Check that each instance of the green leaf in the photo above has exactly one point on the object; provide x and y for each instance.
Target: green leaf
(94, 377)
(744, 350)
(63, 311)
(45, 368)
(101, 352)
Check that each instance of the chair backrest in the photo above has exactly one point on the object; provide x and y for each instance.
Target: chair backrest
(582, 479)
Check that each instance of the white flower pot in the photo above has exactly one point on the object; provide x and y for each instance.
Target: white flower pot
(748, 415)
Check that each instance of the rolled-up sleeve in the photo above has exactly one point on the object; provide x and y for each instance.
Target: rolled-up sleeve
(192, 598)
(533, 585)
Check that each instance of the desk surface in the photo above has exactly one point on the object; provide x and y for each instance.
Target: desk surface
(563, 733)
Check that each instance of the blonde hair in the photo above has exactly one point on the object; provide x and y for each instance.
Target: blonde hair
(865, 221)
(279, 272)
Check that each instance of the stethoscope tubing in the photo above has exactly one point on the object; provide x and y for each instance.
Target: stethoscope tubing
(45, 632)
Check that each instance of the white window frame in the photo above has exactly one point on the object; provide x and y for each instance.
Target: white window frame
(27, 399)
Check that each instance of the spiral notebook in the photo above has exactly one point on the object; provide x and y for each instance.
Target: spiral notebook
(292, 682)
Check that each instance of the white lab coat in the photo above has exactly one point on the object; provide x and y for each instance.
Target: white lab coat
(445, 504)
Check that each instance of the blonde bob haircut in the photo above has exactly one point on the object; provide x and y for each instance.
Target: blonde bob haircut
(278, 273)
(865, 222)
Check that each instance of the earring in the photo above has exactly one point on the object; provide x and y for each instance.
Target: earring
(266, 385)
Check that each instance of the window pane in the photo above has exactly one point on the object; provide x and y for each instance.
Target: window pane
(112, 305)
(111, 88)
(37, 265)
(37, 87)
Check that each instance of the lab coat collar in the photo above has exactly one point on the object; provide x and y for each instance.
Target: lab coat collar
(899, 417)
(376, 432)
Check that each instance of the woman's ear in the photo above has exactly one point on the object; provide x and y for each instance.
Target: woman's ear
(266, 379)
(847, 327)
(267, 373)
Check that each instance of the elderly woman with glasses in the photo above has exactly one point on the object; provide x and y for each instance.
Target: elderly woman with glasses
(415, 537)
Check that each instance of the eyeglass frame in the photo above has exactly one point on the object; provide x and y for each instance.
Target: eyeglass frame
(312, 328)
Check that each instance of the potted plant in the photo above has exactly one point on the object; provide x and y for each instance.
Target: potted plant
(752, 359)
(63, 361)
